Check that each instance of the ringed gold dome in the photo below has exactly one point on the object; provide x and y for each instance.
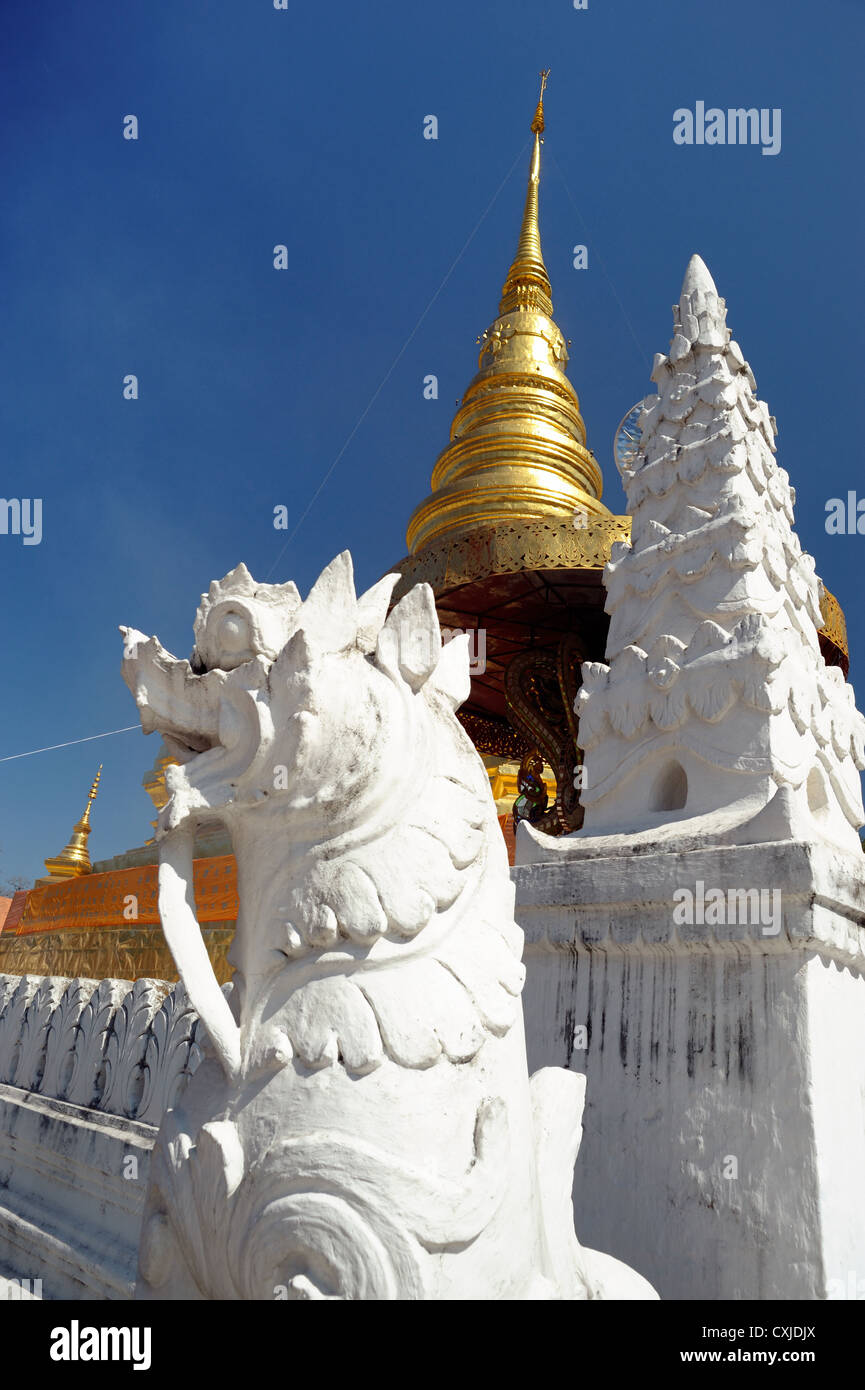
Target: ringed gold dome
(517, 450)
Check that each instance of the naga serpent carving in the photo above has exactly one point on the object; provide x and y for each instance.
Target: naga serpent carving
(362, 1125)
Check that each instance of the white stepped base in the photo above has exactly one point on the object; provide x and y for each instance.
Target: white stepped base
(68, 1216)
(706, 1044)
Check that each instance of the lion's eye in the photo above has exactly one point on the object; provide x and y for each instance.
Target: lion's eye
(234, 633)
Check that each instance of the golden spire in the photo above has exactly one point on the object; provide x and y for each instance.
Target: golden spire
(528, 281)
(74, 860)
(518, 443)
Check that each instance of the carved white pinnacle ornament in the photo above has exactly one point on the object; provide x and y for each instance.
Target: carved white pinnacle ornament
(715, 701)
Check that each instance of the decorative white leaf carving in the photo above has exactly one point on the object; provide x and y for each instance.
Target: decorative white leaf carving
(126, 1047)
(171, 1055)
(34, 1033)
(12, 1023)
(62, 1035)
(87, 1081)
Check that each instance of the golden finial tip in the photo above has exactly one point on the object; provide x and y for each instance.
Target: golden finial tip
(538, 121)
(74, 860)
(94, 788)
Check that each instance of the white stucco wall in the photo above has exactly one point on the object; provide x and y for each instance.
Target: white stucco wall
(706, 1045)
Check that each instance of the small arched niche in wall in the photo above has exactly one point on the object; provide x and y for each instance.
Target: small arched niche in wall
(670, 791)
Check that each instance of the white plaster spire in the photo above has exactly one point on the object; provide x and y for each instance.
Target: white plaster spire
(716, 695)
(697, 277)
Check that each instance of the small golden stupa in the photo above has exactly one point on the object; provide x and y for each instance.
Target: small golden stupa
(74, 860)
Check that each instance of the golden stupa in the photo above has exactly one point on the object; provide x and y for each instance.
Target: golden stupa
(518, 443)
(514, 536)
(74, 860)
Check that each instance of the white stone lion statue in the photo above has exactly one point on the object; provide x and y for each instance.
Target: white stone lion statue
(363, 1126)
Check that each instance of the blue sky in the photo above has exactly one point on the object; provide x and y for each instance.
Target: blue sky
(305, 127)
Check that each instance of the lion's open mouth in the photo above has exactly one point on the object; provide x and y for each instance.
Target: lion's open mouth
(184, 747)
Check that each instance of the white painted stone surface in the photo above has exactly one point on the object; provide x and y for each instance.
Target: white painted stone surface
(366, 1128)
(706, 1042)
(721, 1031)
(86, 1073)
(72, 1187)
